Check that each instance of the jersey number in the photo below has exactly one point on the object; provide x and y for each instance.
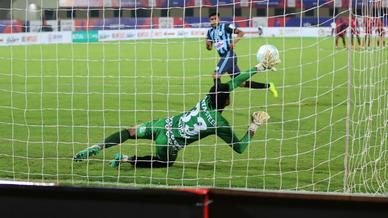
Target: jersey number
(193, 124)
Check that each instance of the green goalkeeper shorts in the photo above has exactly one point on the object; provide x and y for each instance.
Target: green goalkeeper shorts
(156, 130)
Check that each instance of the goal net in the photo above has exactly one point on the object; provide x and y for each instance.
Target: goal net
(75, 72)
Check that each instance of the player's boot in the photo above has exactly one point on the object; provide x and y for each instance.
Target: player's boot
(119, 158)
(273, 90)
(89, 152)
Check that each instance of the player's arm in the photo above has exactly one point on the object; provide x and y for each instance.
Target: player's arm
(227, 135)
(209, 42)
(239, 145)
(239, 36)
(231, 28)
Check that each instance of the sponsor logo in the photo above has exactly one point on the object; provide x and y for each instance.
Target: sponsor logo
(85, 36)
(78, 36)
(118, 35)
(12, 39)
(183, 33)
(197, 33)
(169, 33)
(55, 37)
(143, 34)
(158, 34)
(104, 36)
(130, 34)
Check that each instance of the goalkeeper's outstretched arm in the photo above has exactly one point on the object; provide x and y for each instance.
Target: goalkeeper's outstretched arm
(268, 63)
(244, 76)
(239, 145)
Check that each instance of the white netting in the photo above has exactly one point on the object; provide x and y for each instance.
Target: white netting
(74, 72)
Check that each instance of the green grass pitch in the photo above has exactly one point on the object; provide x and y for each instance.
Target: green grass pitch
(59, 99)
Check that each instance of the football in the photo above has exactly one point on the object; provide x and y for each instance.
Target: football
(264, 49)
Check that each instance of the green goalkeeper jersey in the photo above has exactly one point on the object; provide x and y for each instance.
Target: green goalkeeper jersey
(202, 121)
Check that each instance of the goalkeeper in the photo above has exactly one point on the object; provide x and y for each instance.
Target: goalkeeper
(174, 133)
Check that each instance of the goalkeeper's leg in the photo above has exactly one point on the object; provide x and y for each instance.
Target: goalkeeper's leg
(165, 157)
(114, 139)
(140, 162)
(150, 162)
(234, 71)
(143, 131)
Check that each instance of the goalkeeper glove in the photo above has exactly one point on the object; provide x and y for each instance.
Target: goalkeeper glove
(258, 118)
(268, 62)
(119, 158)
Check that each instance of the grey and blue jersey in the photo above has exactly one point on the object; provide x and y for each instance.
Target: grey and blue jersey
(221, 36)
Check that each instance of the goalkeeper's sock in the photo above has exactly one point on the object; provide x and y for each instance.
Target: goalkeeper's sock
(256, 85)
(149, 162)
(116, 138)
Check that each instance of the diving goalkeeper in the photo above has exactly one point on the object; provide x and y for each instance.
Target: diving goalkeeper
(174, 133)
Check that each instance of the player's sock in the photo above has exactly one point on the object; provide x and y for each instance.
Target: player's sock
(256, 85)
(149, 162)
(116, 138)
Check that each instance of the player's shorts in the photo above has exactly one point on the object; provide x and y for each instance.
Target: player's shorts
(228, 64)
(156, 130)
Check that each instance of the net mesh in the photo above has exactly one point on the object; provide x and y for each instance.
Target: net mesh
(74, 72)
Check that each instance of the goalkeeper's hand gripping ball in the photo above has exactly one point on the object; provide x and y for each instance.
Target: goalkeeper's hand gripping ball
(258, 118)
(267, 56)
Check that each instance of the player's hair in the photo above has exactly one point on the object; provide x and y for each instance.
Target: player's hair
(214, 14)
(219, 95)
